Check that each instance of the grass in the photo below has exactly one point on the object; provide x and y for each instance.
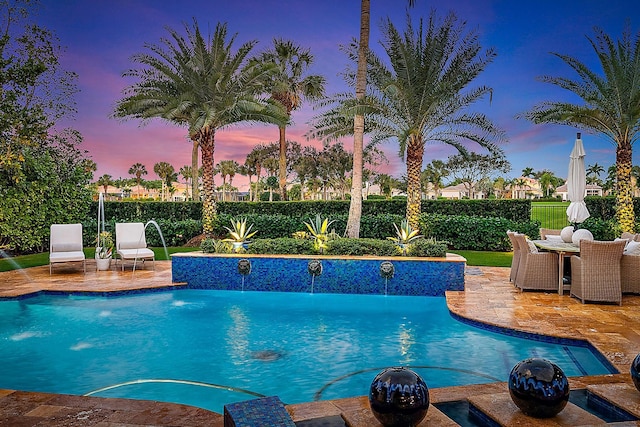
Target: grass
(550, 214)
(474, 258)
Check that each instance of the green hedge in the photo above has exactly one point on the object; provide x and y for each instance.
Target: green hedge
(475, 233)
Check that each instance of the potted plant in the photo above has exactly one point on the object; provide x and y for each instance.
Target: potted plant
(104, 250)
(240, 234)
(405, 235)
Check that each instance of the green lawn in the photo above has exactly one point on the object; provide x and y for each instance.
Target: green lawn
(550, 214)
(474, 258)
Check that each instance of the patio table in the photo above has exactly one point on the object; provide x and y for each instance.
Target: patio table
(562, 249)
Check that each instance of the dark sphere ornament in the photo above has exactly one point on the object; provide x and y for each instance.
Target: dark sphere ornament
(635, 371)
(399, 397)
(538, 387)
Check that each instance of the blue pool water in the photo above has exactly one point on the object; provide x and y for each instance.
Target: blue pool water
(297, 346)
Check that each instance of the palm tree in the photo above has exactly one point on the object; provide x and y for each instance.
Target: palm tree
(137, 170)
(355, 205)
(186, 173)
(423, 97)
(165, 172)
(593, 173)
(289, 87)
(202, 84)
(434, 173)
(528, 172)
(227, 168)
(611, 106)
(105, 181)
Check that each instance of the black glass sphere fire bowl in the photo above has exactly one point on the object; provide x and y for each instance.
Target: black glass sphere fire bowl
(399, 397)
(538, 387)
(635, 371)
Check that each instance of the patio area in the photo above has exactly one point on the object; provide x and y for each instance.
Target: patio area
(489, 298)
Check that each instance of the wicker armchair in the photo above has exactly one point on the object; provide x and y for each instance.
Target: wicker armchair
(515, 262)
(544, 232)
(630, 274)
(537, 270)
(630, 236)
(595, 274)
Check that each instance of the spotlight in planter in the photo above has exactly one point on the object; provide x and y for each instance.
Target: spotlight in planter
(398, 397)
(538, 387)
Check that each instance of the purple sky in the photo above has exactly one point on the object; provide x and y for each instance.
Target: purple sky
(100, 37)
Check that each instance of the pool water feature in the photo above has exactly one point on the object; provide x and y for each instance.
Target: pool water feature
(210, 348)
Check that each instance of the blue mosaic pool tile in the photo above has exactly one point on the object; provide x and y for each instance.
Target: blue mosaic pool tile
(266, 411)
(350, 276)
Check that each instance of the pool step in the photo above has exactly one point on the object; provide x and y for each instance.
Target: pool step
(266, 411)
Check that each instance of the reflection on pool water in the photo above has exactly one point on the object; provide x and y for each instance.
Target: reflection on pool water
(209, 348)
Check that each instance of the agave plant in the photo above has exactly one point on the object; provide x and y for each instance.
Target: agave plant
(240, 232)
(405, 235)
(319, 230)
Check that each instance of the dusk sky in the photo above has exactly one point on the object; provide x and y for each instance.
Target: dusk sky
(100, 36)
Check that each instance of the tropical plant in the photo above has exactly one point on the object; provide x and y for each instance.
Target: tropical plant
(423, 98)
(105, 181)
(200, 83)
(104, 245)
(319, 229)
(289, 86)
(405, 235)
(240, 232)
(611, 106)
(137, 170)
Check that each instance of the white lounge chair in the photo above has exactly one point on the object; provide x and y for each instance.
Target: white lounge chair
(131, 244)
(65, 244)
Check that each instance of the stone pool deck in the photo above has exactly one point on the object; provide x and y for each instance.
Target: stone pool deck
(489, 298)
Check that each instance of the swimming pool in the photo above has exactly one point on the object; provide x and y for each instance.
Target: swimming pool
(206, 348)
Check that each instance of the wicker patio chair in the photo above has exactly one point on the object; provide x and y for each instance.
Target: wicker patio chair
(630, 236)
(515, 262)
(544, 232)
(630, 274)
(595, 274)
(537, 270)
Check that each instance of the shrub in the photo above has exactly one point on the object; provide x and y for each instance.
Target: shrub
(427, 248)
(362, 247)
(211, 246)
(283, 245)
(475, 233)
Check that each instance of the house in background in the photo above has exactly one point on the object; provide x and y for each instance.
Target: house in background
(590, 190)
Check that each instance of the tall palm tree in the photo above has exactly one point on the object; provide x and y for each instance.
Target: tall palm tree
(355, 205)
(594, 171)
(611, 106)
(187, 174)
(434, 173)
(424, 96)
(200, 83)
(137, 170)
(227, 168)
(289, 87)
(165, 172)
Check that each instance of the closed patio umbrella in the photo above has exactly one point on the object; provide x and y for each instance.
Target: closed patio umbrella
(577, 211)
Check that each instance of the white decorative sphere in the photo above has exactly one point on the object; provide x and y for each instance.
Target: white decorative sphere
(582, 234)
(567, 234)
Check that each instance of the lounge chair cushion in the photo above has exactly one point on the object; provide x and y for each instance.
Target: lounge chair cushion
(66, 247)
(632, 248)
(136, 253)
(66, 256)
(130, 245)
(532, 247)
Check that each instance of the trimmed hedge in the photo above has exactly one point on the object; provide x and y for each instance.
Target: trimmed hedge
(475, 233)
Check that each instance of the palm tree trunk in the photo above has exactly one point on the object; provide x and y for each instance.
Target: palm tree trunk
(355, 206)
(415, 152)
(209, 208)
(624, 199)
(282, 164)
(195, 190)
